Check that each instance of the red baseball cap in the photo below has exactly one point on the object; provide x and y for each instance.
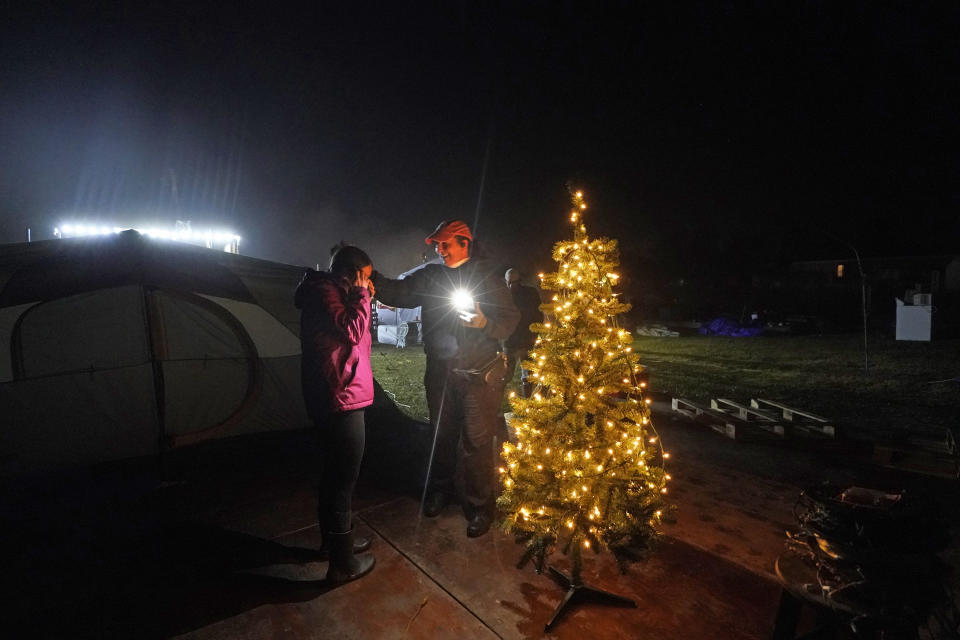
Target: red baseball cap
(448, 229)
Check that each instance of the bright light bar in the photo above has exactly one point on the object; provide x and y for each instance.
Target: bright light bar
(208, 238)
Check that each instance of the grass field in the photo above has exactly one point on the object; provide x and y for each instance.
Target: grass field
(823, 374)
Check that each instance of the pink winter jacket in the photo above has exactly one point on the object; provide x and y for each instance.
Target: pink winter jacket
(335, 343)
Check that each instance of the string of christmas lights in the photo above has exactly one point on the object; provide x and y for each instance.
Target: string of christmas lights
(587, 468)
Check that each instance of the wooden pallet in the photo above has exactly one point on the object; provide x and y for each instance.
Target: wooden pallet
(803, 422)
(754, 415)
(726, 424)
(760, 419)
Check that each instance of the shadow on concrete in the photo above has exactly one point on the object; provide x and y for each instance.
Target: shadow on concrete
(158, 546)
(130, 575)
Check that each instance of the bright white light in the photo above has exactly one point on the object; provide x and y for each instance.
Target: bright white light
(462, 300)
(210, 238)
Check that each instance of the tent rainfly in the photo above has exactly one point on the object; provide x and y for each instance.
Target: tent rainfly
(122, 346)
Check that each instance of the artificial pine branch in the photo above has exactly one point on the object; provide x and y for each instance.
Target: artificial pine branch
(587, 468)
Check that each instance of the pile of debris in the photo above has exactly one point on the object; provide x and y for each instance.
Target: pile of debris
(874, 555)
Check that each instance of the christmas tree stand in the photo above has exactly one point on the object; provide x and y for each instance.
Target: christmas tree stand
(578, 592)
(584, 471)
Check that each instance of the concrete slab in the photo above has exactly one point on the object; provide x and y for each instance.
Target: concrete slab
(736, 499)
(217, 546)
(681, 591)
(396, 600)
(729, 512)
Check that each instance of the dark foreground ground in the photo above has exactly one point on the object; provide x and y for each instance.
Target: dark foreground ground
(215, 543)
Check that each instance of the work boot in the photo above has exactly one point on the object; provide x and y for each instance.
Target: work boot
(434, 504)
(344, 566)
(479, 524)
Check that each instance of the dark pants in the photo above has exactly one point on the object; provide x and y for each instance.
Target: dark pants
(342, 437)
(468, 415)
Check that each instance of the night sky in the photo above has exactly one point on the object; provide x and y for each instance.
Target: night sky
(706, 135)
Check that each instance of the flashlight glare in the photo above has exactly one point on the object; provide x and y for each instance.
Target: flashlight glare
(462, 300)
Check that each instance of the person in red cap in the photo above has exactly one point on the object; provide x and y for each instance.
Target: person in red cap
(466, 311)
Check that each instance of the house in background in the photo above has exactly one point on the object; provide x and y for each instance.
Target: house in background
(831, 289)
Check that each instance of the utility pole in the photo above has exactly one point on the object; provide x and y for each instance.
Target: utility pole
(863, 306)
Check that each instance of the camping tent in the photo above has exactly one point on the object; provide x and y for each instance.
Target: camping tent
(392, 321)
(120, 346)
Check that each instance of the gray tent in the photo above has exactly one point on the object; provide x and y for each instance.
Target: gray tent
(120, 346)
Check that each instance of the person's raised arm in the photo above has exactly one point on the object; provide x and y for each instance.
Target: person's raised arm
(399, 293)
(349, 313)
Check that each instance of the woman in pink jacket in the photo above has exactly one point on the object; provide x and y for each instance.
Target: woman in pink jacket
(337, 386)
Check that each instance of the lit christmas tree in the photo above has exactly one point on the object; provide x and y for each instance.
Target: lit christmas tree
(586, 471)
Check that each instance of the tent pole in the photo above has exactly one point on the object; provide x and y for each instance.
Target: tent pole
(433, 448)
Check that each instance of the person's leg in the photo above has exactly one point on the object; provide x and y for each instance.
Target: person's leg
(480, 421)
(526, 385)
(332, 474)
(513, 357)
(442, 391)
(327, 481)
(343, 452)
(345, 439)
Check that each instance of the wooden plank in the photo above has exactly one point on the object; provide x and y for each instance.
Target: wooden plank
(695, 410)
(755, 417)
(728, 430)
(687, 408)
(744, 412)
(772, 427)
(819, 430)
(788, 412)
(730, 427)
(812, 424)
(725, 424)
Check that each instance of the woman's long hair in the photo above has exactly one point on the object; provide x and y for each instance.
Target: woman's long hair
(347, 260)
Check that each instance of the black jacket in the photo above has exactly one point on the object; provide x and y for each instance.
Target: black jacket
(527, 301)
(444, 336)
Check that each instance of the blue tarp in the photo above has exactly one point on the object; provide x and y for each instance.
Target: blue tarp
(729, 327)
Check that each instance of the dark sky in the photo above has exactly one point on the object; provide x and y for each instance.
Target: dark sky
(703, 133)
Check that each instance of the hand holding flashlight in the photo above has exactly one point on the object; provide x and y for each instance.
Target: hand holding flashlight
(475, 320)
(467, 309)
